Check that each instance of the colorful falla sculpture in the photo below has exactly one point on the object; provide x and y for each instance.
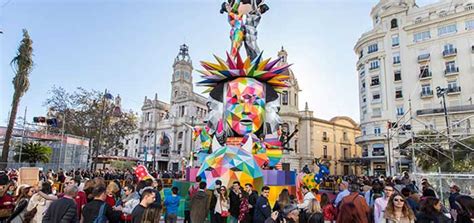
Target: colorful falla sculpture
(242, 131)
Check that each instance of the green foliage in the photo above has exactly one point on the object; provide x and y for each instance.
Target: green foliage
(33, 153)
(83, 111)
(122, 165)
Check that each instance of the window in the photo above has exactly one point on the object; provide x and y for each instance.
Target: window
(364, 99)
(398, 93)
(181, 111)
(449, 49)
(361, 53)
(397, 75)
(374, 64)
(426, 90)
(395, 40)
(344, 135)
(377, 131)
(179, 148)
(425, 71)
(453, 86)
(325, 136)
(362, 72)
(421, 36)
(470, 25)
(325, 151)
(375, 81)
(450, 66)
(449, 29)
(378, 149)
(400, 110)
(364, 131)
(396, 58)
(469, 6)
(180, 135)
(376, 96)
(346, 153)
(136, 141)
(362, 85)
(126, 142)
(284, 99)
(148, 116)
(376, 112)
(393, 23)
(373, 48)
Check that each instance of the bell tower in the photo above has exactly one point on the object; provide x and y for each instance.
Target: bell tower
(182, 79)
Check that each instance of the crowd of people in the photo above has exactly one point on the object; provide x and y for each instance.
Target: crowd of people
(118, 196)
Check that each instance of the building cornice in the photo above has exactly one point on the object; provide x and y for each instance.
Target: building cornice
(367, 37)
(438, 20)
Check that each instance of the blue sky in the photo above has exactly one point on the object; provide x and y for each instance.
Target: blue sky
(128, 47)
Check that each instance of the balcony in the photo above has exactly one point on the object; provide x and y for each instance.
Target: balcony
(375, 83)
(424, 58)
(450, 52)
(378, 153)
(425, 75)
(370, 137)
(374, 68)
(454, 90)
(426, 94)
(451, 71)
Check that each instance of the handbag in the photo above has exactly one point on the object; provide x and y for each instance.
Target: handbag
(4, 213)
(224, 213)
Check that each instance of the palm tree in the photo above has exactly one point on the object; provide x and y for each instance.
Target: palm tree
(22, 64)
(33, 153)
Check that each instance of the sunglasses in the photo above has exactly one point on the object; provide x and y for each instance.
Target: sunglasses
(398, 200)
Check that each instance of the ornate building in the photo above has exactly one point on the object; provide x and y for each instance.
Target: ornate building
(165, 127)
(411, 52)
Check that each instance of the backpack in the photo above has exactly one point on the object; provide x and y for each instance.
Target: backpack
(101, 218)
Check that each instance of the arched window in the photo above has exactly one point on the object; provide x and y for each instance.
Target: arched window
(284, 98)
(394, 23)
(180, 135)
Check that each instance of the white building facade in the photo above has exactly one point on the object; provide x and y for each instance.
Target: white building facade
(410, 52)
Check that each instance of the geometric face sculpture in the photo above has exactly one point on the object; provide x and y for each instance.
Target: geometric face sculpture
(245, 105)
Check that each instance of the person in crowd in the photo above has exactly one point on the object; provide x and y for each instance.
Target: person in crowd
(195, 188)
(329, 211)
(375, 192)
(398, 210)
(283, 200)
(151, 215)
(362, 208)
(148, 197)
(262, 209)
(131, 200)
(291, 213)
(221, 210)
(308, 196)
(253, 196)
(172, 203)
(409, 200)
(453, 193)
(343, 191)
(199, 204)
(351, 215)
(314, 213)
(244, 207)
(97, 210)
(40, 202)
(26, 192)
(111, 191)
(234, 198)
(6, 200)
(11, 189)
(427, 192)
(187, 210)
(431, 211)
(63, 210)
(464, 209)
(88, 187)
(381, 203)
(212, 206)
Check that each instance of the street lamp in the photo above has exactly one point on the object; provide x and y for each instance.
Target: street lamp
(441, 93)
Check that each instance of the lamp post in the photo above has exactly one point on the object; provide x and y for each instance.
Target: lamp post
(441, 93)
